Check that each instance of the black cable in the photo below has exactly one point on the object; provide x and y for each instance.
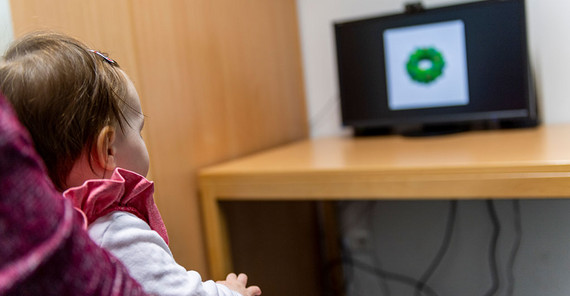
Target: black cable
(348, 277)
(421, 284)
(346, 257)
(319, 115)
(389, 275)
(442, 249)
(493, 248)
(375, 258)
(516, 245)
(381, 279)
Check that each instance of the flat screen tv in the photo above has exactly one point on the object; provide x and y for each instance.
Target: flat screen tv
(437, 70)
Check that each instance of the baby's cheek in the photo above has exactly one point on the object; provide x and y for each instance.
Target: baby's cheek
(145, 159)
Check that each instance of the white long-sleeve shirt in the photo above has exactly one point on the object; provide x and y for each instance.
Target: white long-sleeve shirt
(148, 258)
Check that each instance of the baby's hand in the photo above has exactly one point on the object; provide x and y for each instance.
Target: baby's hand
(238, 283)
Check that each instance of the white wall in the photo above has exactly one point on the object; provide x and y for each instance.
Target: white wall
(549, 36)
(6, 31)
(549, 44)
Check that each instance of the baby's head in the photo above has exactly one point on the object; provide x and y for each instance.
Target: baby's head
(80, 108)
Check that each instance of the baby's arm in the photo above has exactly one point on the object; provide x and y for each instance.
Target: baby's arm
(148, 258)
(239, 283)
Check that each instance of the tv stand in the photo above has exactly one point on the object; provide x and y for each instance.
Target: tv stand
(435, 130)
(411, 131)
(427, 130)
(419, 130)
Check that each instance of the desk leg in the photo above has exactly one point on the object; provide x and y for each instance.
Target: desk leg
(217, 241)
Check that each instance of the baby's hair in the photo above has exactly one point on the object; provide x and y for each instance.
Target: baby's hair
(65, 94)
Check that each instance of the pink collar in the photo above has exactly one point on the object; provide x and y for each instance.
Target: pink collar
(124, 191)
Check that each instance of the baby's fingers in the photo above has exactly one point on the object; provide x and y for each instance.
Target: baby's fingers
(253, 291)
(242, 278)
(231, 277)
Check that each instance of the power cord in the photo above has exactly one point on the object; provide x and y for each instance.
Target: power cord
(383, 284)
(493, 248)
(392, 276)
(516, 246)
(442, 249)
(421, 285)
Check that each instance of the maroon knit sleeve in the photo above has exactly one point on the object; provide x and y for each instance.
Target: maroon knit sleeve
(44, 249)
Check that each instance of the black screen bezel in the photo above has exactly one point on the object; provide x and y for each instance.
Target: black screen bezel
(495, 31)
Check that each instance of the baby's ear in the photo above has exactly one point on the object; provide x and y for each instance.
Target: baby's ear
(104, 148)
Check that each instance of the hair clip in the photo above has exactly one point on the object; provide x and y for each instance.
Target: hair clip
(109, 60)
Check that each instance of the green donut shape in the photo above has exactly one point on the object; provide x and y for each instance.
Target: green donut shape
(425, 75)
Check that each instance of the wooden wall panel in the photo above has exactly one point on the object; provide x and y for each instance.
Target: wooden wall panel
(229, 84)
(91, 21)
(217, 79)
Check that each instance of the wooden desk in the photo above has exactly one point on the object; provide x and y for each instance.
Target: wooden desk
(524, 163)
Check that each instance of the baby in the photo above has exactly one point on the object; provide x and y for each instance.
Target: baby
(85, 118)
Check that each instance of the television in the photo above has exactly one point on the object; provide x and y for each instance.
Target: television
(436, 70)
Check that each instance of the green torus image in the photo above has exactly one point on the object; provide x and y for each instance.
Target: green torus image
(425, 65)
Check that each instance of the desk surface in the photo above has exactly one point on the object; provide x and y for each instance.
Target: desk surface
(480, 164)
(522, 163)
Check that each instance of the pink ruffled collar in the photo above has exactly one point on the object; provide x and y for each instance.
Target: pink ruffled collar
(124, 191)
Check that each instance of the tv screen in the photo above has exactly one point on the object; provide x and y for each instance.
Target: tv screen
(465, 65)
